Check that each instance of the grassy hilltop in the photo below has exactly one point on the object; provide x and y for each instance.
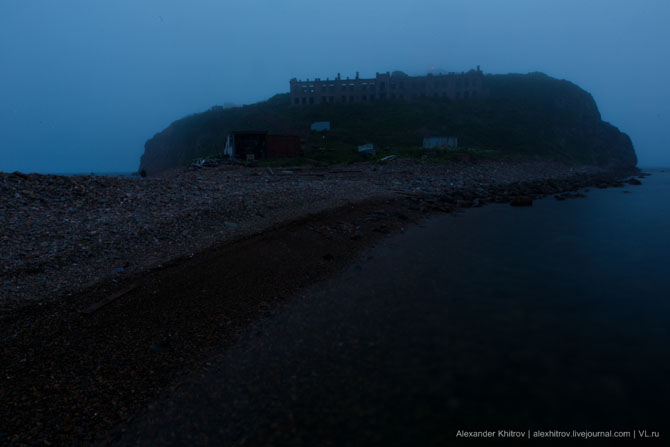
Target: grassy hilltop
(530, 115)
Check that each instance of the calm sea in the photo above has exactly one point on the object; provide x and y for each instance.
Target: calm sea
(555, 316)
(552, 317)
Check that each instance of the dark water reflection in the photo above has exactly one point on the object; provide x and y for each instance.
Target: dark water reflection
(554, 316)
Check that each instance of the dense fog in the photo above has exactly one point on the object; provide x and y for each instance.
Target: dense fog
(84, 84)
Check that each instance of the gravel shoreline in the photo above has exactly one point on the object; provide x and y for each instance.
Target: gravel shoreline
(232, 242)
(63, 234)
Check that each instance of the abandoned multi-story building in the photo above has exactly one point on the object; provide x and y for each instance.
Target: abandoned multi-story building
(385, 86)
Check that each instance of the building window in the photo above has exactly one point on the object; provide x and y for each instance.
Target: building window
(304, 100)
(297, 100)
(311, 100)
(381, 86)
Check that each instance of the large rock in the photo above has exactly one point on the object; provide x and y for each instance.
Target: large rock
(522, 201)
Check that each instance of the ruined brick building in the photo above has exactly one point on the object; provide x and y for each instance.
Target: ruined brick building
(388, 86)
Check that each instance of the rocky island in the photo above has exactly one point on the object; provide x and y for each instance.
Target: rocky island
(95, 269)
(532, 116)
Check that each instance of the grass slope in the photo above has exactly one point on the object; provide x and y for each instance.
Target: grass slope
(527, 115)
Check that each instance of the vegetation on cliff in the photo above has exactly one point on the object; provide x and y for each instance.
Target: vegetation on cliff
(530, 115)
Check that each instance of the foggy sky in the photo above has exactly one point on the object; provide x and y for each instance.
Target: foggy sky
(84, 83)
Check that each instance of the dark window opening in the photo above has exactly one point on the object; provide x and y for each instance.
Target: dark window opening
(304, 100)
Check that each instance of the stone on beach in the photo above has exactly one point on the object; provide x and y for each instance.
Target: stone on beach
(521, 201)
(61, 233)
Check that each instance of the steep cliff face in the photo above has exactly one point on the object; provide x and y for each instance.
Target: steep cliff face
(533, 115)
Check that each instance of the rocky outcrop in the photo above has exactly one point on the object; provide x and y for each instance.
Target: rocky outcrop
(533, 115)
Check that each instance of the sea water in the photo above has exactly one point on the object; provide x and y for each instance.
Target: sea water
(509, 321)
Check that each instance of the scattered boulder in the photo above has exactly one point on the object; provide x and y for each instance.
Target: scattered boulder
(357, 236)
(203, 163)
(570, 195)
(522, 201)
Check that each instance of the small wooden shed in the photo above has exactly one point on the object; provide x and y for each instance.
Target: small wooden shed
(256, 145)
(249, 144)
(283, 146)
